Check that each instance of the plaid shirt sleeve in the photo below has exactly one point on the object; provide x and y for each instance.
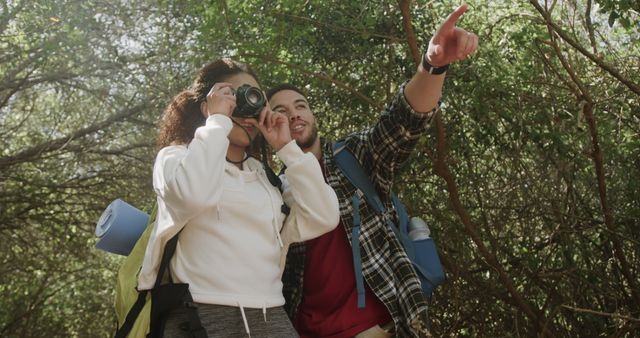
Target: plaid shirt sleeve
(385, 147)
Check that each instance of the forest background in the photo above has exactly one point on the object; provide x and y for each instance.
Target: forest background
(529, 178)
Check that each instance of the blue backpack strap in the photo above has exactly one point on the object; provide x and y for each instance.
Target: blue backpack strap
(351, 168)
(403, 216)
(402, 231)
(355, 249)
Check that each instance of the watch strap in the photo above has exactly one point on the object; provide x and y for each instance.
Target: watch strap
(432, 69)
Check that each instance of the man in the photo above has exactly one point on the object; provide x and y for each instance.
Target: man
(319, 279)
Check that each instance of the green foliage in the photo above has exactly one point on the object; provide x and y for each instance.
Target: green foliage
(82, 85)
(626, 12)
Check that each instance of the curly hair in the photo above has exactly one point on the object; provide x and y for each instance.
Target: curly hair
(183, 116)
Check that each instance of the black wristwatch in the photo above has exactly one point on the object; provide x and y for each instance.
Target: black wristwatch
(431, 69)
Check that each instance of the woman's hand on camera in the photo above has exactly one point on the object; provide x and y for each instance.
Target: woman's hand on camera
(274, 127)
(220, 100)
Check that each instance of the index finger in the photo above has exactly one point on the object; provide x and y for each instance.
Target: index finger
(264, 114)
(451, 20)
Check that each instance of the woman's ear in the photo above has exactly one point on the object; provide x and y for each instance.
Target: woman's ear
(203, 109)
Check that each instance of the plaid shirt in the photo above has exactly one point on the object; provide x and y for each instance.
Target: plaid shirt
(381, 150)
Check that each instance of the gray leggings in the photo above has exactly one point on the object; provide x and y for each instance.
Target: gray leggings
(226, 322)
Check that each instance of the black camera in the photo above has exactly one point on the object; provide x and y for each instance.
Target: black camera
(249, 101)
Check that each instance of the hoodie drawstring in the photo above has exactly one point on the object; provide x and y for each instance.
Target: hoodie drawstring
(244, 316)
(244, 319)
(264, 311)
(275, 228)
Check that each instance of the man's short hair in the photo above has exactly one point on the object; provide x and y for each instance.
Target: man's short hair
(284, 86)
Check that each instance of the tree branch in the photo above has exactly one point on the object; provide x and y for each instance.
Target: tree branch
(598, 61)
(589, 26)
(56, 144)
(408, 29)
(599, 313)
(596, 155)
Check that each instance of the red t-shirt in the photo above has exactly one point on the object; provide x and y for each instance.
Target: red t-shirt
(329, 306)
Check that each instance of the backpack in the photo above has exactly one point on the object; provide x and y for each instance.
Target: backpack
(422, 252)
(143, 313)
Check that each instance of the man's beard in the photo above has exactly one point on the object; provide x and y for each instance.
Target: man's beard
(309, 141)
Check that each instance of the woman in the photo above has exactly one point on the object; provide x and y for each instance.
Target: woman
(233, 234)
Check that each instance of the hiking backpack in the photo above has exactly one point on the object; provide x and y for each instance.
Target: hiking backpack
(422, 252)
(142, 313)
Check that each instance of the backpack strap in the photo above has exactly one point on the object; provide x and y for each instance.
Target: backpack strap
(350, 167)
(132, 315)
(355, 249)
(402, 231)
(273, 178)
(169, 250)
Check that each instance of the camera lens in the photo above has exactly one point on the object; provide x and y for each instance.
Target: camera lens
(249, 101)
(253, 97)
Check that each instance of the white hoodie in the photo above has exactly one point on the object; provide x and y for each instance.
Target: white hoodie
(234, 237)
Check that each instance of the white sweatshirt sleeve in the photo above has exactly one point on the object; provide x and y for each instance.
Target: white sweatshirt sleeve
(186, 179)
(313, 203)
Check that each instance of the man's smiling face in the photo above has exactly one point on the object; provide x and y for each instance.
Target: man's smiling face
(302, 123)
